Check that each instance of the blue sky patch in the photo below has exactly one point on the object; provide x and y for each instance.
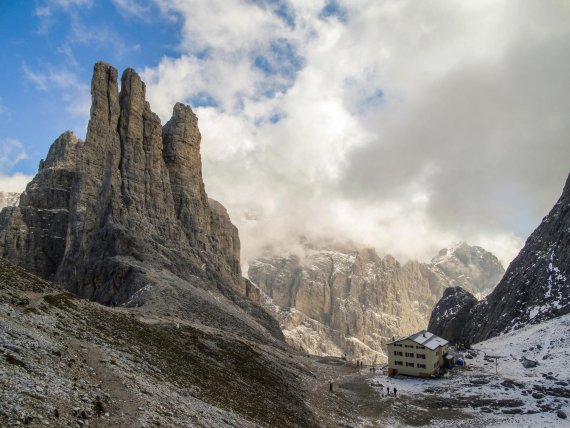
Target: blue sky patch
(281, 8)
(281, 59)
(281, 62)
(334, 9)
(203, 99)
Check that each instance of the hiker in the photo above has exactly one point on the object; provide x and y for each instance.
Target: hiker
(395, 391)
(98, 406)
(387, 390)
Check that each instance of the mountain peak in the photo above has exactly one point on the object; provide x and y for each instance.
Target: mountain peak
(124, 218)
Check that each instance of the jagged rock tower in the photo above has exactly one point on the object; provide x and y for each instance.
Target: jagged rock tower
(109, 217)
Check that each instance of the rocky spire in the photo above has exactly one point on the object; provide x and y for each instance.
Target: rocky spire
(182, 157)
(105, 109)
(132, 202)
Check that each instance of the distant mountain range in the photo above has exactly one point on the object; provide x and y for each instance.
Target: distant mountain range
(535, 288)
(347, 301)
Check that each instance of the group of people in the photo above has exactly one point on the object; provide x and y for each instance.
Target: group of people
(373, 370)
(388, 391)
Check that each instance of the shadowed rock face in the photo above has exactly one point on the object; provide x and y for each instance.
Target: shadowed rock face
(451, 311)
(34, 233)
(124, 215)
(349, 301)
(535, 288)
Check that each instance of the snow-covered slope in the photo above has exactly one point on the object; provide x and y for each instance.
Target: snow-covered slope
(506, 394)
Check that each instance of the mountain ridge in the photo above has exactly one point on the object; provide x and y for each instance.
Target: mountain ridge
(351, 302)
(535, 287)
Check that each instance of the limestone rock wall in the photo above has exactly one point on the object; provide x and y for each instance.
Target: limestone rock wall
(353, 301)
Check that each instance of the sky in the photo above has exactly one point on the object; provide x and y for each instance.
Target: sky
(401, 125)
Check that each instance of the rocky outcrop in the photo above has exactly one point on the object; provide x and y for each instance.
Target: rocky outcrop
(535, 288)
(453, 309)
(123, 218)
(351, 301)
(33, 234)
(9, 199)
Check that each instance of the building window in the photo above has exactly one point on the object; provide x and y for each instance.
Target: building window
(421, 366)
(409, 346)
(400, 353)
(398, 344)
(409, 364)
(421, 356)
(410, 354)
(420, 347)
(398, 363)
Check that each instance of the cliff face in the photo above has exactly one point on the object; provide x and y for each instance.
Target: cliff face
(452, 310)
(535, 288)
(353, 301)
(33, 234)
(123, 218)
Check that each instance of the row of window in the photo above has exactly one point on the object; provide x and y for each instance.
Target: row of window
(410, 355)
(409, 346)
(400, 363)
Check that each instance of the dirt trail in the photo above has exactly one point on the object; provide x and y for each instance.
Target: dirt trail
(121, 404)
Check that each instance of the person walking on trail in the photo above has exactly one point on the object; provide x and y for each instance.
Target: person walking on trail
(395, 391)
(387, 390)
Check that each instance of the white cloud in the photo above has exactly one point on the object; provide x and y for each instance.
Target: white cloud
(14, 183)
(137, 8)
(45, 8)
(11, 152)
(99, 37)
(403, 125)
(38, 79)
(75, 93)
